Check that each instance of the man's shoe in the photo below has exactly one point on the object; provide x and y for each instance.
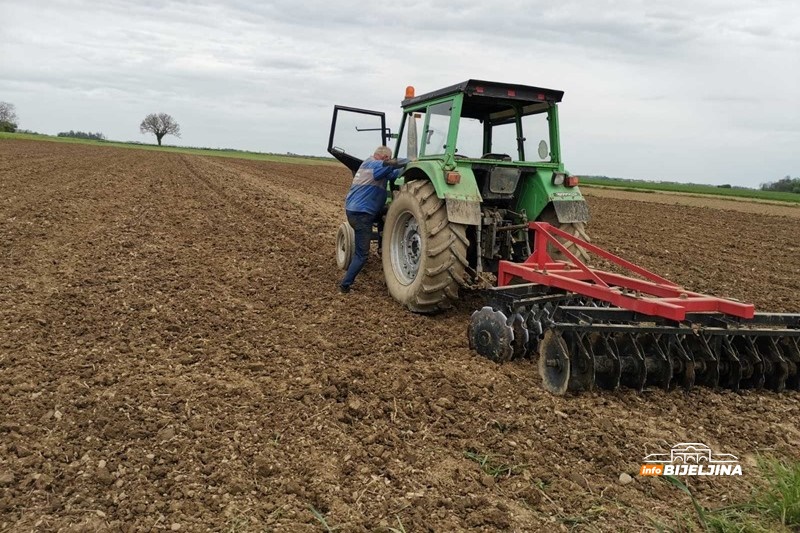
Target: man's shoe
(343, 289)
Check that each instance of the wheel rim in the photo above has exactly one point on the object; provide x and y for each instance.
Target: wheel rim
(406, 248)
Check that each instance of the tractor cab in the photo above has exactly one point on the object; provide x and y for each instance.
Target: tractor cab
(471, 120)
(487, 120)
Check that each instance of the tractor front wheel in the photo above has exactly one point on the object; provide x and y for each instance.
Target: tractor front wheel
(424, 254)
(345, 245)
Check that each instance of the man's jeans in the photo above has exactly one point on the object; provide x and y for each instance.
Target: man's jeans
(362, 226)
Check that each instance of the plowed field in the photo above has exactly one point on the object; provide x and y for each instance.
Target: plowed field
(174, 355)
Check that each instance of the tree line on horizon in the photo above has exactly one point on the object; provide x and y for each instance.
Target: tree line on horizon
(785, 184)
(83, 135)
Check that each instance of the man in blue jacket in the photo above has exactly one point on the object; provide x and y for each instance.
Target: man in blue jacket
(364, 204)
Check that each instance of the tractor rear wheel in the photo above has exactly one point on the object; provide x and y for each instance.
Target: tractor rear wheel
(573, 228)
(424, 255)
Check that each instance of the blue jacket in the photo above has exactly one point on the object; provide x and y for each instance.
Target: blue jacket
(368, 191)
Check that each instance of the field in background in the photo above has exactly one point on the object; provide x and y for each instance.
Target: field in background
(697, 201)
(214, 152)
(689, 188)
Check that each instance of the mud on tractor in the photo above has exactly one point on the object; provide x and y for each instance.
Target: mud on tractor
(486, 194)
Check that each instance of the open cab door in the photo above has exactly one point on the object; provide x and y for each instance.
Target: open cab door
(355, 133)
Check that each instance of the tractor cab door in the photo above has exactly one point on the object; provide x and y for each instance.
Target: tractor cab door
(355, 133)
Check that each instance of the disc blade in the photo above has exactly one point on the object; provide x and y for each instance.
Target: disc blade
(490, 335)
(554, 367)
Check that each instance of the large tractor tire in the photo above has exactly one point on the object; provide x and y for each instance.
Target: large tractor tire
(424, 255)
(573, 228)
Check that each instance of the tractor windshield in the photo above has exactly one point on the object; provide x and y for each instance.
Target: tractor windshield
(496, 133)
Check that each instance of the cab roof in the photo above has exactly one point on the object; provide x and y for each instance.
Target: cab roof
(488, 90)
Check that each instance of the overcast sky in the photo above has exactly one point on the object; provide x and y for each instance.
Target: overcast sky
(704, 90)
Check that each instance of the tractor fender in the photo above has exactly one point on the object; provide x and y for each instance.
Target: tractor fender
(539, 193)
(463, 199)
(571, 211)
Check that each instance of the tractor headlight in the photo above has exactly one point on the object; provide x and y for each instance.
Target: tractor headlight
(558, 178)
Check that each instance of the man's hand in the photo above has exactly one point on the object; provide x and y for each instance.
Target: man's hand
(395, 162)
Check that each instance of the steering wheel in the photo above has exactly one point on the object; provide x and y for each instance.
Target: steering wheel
(500, 157)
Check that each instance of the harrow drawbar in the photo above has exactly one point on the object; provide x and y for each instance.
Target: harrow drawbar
(595, 329)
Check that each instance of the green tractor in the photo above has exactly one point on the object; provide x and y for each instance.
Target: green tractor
(473, 183)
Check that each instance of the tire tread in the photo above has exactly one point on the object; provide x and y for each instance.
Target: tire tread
(446, 252)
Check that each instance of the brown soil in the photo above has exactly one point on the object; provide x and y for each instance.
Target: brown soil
(174, 355)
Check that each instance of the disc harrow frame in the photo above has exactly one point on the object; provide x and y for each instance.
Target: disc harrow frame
(597, 329)
(650, 295)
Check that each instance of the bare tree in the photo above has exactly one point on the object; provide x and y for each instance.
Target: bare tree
(160, 124)
(8, 117)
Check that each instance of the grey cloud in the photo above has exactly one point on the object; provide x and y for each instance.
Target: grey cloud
(268, 73)
(730, 99)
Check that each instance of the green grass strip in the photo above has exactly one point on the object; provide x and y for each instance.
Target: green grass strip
(691, 188)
